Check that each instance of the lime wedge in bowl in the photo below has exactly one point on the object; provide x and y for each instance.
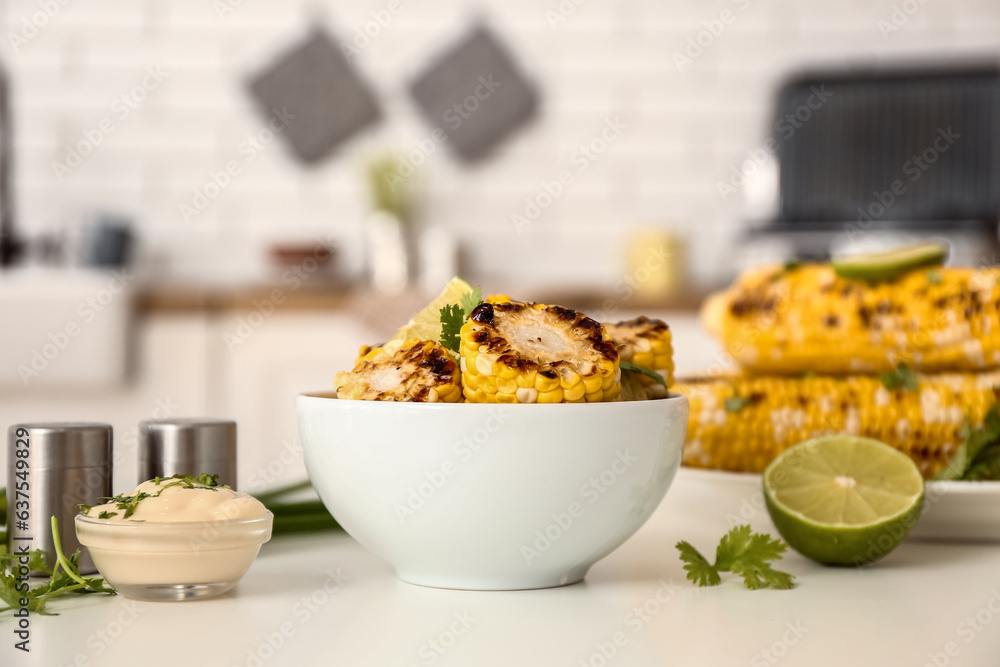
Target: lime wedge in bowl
(426, 325)
(874, 267)
(843, 500)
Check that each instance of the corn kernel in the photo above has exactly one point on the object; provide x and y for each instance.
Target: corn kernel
(554, 396)
(544, 384)
(505, 371)
(593, 383)
(506, 385)
(568, 377)
(574, 393)
(526, 379)
(527, 395)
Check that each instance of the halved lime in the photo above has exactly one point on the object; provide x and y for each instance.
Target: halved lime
(843, 500)
(426, 325)
(877, 266)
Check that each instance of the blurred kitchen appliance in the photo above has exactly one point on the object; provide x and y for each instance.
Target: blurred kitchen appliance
(870, 157)
(110, 243)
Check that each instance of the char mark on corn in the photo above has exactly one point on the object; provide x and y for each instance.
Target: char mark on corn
(742, 423)
(414, 371)
(648, 343)
(514, 352)
(775, 320)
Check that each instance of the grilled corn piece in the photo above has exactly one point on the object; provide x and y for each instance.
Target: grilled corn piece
(791, 320)
(515, 352)
(364, 350)
(647, 343)
(417, 370)
(743, 423)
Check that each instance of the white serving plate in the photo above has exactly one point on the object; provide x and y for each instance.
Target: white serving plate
(967, 511)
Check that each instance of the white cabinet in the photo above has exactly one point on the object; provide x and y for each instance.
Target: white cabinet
(168, 376)
(255, 381)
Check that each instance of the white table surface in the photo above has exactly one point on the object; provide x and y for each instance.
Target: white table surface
(909, 609)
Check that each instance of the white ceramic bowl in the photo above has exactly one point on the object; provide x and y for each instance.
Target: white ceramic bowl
(491, 497)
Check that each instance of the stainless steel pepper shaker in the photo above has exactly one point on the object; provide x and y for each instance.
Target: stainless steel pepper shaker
(51, 468)
(189, 446)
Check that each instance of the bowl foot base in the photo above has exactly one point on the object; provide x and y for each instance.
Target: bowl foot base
(485, 583)
(172, 592)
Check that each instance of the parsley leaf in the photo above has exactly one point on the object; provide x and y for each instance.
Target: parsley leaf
(626, 366)
(737, 402)
(901, 378)
(934, 277)
(978, 458)
(64, 578)
(470, 300)
(699, 570)
(452, 318)
(128, 503)
(741, 552)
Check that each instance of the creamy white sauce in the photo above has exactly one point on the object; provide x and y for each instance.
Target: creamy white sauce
(177, 535)
(179, 503)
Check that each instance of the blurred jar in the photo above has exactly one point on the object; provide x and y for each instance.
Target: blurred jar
(655, 262)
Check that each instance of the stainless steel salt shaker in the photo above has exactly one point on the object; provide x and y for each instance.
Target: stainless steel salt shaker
(51, 468)
(189, 446)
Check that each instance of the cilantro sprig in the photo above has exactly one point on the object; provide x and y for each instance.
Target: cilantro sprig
(128, 503)
(453, 316)
(901, 378)
(736, 402)
(978, 458)
(742, 552)
(627, 366)
(64, 578)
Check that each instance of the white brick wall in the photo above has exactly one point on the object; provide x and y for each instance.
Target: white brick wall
(686, 129)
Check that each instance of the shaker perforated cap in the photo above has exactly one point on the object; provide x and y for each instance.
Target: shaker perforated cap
(188, 446)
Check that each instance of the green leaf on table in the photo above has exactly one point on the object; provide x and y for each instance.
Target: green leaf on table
(742, 552)
(699, 570)
(64, 578)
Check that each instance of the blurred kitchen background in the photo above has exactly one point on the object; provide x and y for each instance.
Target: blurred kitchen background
(208, 206)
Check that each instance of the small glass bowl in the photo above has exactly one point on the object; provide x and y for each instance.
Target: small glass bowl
(172, 561)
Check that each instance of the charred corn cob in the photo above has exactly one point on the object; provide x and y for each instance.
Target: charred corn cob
(515, 352)
(742, 423)
(780, 320)
(364, 350)
(647, 343)
(417, 370)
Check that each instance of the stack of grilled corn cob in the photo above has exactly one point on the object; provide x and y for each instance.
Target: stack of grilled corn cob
(514, 352)
(785, 325)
